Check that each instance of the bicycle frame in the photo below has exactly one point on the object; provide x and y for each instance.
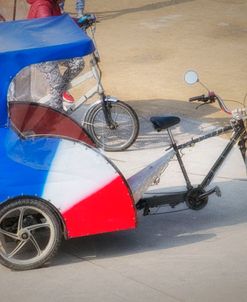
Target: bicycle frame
(96, 89)
(105, 109)
(238, 133)
(174, 198)
(95, 73)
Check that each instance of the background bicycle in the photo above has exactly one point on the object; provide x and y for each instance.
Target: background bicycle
(112, 124)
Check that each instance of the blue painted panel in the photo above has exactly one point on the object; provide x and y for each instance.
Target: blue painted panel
(24, 164)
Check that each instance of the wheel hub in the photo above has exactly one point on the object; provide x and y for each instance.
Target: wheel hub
(194, 201)
(24, 235)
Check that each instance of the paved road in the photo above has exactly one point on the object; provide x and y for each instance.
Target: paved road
(181, 256)
(178, 256)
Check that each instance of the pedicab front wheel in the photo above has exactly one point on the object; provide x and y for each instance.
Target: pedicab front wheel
(121, 135)
(30, 234)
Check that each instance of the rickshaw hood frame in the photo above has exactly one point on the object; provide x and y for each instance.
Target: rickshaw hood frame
(26, 42)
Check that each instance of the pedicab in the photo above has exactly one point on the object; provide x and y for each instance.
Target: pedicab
(54, 183)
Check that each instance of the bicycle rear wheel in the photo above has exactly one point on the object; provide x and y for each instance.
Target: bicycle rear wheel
(120, 137)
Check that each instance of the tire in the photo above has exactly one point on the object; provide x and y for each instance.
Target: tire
(118, 139)
(30, 234)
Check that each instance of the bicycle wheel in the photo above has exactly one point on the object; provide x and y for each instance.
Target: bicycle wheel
(30, 234)
(122, 136)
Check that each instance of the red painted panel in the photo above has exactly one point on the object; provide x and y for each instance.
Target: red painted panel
(110, 209)
(37, 119)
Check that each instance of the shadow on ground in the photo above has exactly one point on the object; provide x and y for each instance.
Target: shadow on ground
(163, 231)
(179, 228)
(147, 108)
(106, 15)
(201, 121)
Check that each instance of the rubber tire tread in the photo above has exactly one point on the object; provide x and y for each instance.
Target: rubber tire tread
(130, 110)
(41, 205)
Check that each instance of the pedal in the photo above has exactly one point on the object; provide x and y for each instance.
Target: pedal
(215, 190)
(146, 211)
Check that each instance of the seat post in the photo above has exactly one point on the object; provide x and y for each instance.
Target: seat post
(181, 164)
(171, 136)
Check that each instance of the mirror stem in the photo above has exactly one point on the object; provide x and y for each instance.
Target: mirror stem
(203, 85)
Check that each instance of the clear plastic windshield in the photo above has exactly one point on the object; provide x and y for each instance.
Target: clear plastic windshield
(29, 85)
(31, 112)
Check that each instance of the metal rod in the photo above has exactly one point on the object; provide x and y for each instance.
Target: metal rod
(181, 164)
(201, 138)
(14, 11)
(208, 178)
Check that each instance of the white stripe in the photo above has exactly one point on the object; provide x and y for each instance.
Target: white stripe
(76, 172)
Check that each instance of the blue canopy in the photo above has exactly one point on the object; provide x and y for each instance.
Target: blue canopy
(27, 42)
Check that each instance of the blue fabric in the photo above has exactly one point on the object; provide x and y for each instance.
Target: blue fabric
(24, 164)
(27, 42)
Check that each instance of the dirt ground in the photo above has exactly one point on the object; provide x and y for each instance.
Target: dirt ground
(147, 45)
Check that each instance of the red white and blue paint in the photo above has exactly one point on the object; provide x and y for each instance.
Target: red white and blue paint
(47, 155)
(83, 185)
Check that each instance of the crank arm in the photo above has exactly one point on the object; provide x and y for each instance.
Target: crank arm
(215, 190)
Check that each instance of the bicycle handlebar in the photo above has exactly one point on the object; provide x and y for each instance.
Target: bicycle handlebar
(199, 98)
(191, 77)
(211, 98)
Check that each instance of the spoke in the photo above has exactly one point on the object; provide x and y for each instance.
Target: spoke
(35, 243)
(11, 235)
(114, 115)
(117, 114)
(37, 226)
(17, 249)
(20, 221)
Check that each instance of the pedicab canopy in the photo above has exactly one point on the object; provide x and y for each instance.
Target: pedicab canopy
(27, 42)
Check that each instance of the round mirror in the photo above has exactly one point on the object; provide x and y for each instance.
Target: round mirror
(191, 77)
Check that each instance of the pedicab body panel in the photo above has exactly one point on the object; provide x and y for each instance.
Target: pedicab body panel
(44, 154)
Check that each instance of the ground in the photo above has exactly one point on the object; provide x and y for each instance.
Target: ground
(146, 46)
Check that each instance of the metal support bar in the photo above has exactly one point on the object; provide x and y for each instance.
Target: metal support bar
(208, 178)
(201, 138)
(172, 199)
(181, 164)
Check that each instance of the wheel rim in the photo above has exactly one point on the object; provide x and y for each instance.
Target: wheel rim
(27, 235)
(119, 137)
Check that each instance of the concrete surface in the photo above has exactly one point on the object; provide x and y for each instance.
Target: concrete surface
(181, 255)
(146, 45)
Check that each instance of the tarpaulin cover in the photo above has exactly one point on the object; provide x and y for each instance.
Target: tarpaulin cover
(27, 42)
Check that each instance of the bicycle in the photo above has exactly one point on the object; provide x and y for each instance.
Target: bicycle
(112, 124)
(196, 198)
